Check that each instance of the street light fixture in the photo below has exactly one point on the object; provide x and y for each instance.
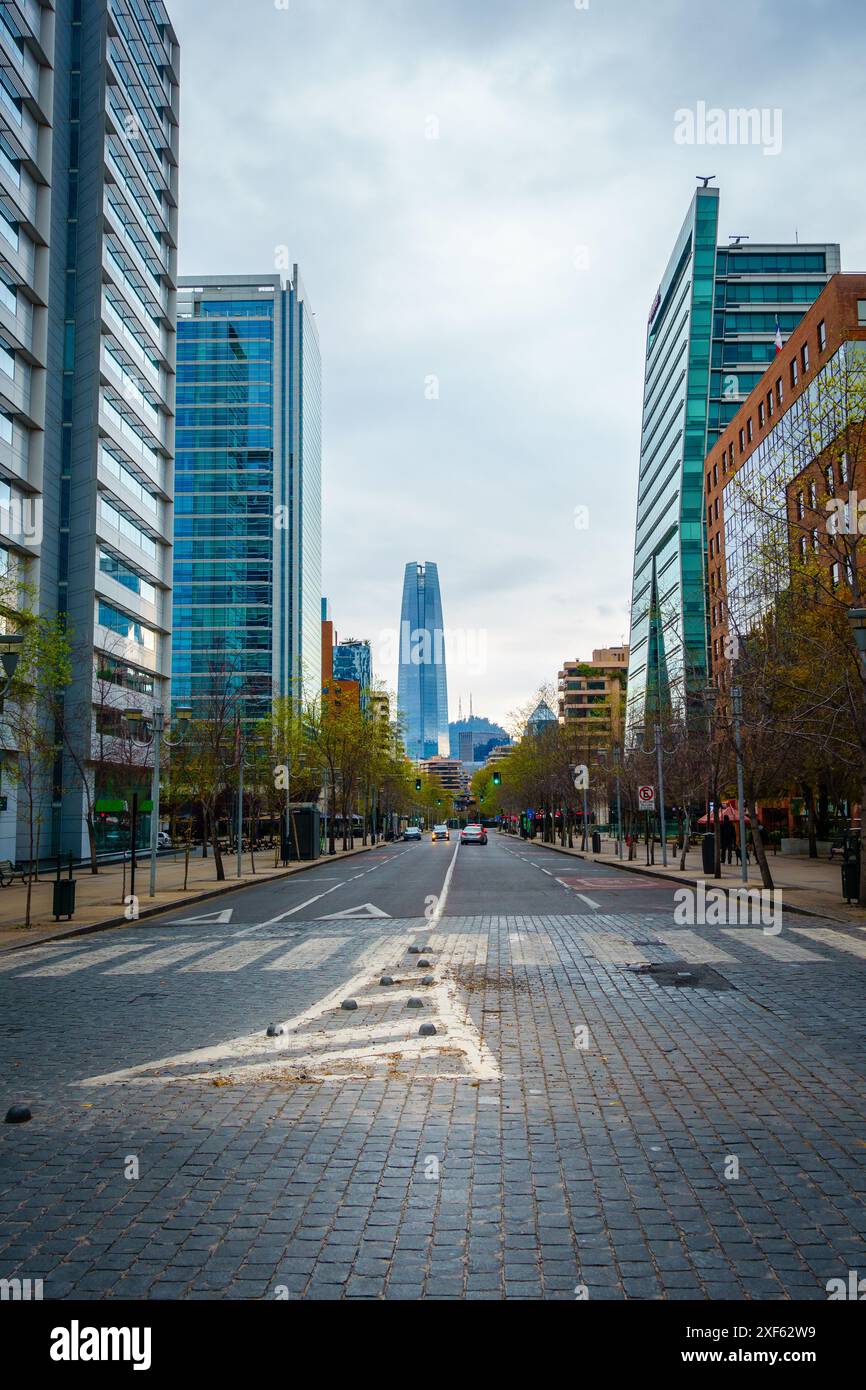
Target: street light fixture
(10, 641)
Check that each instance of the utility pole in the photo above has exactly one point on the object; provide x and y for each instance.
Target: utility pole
(618, 772)
(662, 826)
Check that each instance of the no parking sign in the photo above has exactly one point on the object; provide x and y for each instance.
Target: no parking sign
(646, 798)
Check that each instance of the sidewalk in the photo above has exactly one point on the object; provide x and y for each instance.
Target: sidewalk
(100, 897)
(811, 886)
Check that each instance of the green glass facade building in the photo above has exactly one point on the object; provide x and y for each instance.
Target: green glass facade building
(711, 331)
(247, 527)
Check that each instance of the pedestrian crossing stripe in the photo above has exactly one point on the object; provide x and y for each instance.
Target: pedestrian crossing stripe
(609, 941)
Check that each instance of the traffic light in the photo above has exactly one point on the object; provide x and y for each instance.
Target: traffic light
(417, 784)
(497, 779)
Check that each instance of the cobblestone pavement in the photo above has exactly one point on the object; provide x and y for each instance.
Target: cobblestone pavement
(575, 1123)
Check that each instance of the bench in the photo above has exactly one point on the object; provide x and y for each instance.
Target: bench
(8, 873)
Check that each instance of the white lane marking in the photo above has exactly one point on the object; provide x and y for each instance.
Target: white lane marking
(688, 946)
(443, 896)
(272, 921)
(836, 940)
(366, 910)
(233, 958)
(215, 918)
(589, 901)
(155, 960)
(309, 954)
(70, 966)
(773, 946)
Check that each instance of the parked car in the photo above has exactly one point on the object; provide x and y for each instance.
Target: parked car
(473, 835)
(412, 832)
(163, 840)
(440, 832)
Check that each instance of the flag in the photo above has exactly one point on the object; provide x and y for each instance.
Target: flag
(778, 335)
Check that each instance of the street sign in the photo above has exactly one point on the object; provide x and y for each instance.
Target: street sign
(646, 798)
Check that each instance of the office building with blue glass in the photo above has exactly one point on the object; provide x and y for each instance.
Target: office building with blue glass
(422, 687)
(353, 661)
(247, 535)
(89, 104)
(711, 331)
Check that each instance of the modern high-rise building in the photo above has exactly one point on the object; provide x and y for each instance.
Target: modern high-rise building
(422, 688)
(247, 553)
(471, 739)
(711, 331)
(353, 661)
(88, 231)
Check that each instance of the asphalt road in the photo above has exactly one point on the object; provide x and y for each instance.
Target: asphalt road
(602, 1102)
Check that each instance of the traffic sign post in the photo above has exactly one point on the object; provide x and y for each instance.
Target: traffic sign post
(646, 798)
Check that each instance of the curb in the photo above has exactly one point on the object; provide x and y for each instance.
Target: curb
(690, 882)
(88, 929)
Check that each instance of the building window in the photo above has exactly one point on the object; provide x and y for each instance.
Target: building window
(803, 548)
(815, 539)
(742, 441)
(861, 313)
(805, 356)
(801, 506)
(831, 481)
(750, 429)
(822, 336)
(769, 402)
(761, 414)
(843, 468)
(813, 497)
(795, 372)
(780, 395)
(715, 474)
(834, 574)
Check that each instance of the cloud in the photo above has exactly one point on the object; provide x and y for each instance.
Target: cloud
(487, 193)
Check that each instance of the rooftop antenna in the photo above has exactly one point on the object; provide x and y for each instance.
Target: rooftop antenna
(704, 179)
(470, 704)
(459, 707)
(737, 238)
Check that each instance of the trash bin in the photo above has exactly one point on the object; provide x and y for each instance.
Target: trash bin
(850, 879)
(596, 842)
(708, 854)
(64, 898)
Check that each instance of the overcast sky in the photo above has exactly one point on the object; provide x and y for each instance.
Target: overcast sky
(486, 192)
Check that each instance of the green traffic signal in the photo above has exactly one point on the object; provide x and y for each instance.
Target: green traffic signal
(417, 784)
(497, 779)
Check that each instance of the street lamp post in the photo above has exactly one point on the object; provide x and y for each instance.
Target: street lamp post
(662, 826)
(736, 715)
(135, 716)
(617, 768)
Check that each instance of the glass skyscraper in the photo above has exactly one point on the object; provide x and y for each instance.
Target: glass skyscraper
(89, 102)
(711, 332)
(247, 552)
(422, 688)
(353, 661)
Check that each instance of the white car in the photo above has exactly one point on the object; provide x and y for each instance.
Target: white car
(440, 832)
(163, 840)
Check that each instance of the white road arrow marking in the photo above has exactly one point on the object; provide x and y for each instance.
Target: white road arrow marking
(219, 918)
(366, 910)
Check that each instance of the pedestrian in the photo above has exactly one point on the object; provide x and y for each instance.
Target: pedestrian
(729, 840)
